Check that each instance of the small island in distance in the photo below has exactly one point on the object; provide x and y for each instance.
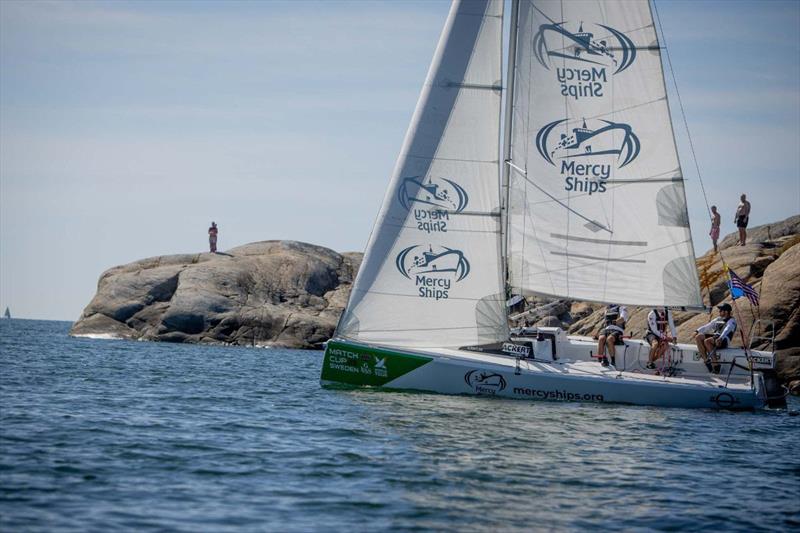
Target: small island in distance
(290, 294)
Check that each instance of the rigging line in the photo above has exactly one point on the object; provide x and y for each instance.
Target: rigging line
(559, 202)
(680, 105)
(688, 132)
(566, 115)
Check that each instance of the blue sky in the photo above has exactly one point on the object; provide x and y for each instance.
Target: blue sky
(126, 127)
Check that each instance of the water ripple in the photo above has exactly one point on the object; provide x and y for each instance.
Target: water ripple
(105, 435)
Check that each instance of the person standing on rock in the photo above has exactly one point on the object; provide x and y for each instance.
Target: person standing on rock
(716, 220)
(212, 237)
(742, 218)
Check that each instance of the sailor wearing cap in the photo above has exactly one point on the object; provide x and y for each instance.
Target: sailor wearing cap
(715, 335)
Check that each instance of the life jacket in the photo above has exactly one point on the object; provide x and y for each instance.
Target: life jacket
(719, 325)
(662, 322)
(612, 314)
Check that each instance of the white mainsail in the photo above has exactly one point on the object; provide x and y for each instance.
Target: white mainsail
(597, 207)
(431, 275)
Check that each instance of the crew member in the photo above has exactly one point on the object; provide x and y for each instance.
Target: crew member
(660, 332)
(614, 327)
(716, 335)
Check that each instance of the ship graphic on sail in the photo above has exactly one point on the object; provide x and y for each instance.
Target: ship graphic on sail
(582, 46)
(438, 192)
(416, 260)
(585, 142)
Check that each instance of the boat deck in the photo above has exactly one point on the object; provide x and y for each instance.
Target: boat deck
(592, 369)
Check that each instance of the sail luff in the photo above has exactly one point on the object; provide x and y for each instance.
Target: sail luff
(507, 129)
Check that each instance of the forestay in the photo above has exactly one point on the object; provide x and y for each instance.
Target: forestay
(597, 200)
(431, 273)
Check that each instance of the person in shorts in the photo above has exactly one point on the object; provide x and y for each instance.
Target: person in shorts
(716, 220)
(716, 335)
(660, 331)
(742, 218)
(614, 320)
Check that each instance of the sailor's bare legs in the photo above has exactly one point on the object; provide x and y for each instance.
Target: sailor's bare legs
(612, 349)
(701, 347)
(601, 342)
(742, 236)
(655, 350)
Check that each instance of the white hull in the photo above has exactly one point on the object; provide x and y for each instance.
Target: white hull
(450, 371)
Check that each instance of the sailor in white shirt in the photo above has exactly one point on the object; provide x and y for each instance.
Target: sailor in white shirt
(715, 335)
(660, 331)
(614, 327)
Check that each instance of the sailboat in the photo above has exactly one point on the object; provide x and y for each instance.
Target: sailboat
(7, 314)
(580, 196)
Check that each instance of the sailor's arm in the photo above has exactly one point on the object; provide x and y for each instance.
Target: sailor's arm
(729, 328)
(672, 329)
(708, 328)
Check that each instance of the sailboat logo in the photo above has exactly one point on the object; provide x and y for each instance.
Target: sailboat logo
(485, 382)
(440, 193)
(604, 46)
(423, 261)
(610, 138)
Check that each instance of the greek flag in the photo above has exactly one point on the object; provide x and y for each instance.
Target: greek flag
(739, 288)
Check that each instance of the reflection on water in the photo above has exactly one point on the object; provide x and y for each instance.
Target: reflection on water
(113, 434)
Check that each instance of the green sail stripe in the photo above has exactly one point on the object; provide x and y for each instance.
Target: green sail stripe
(362, 365)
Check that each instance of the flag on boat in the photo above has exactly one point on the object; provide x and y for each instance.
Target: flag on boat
(739, 288)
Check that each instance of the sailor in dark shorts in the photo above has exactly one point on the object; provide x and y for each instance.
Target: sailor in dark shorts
(742, 218)
(613, 328)
(716, 335)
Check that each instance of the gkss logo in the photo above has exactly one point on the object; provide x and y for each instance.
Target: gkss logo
(433, 269)
(598, 45)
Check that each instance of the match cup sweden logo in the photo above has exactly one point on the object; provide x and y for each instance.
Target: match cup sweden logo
(600, 45)
(434, 269)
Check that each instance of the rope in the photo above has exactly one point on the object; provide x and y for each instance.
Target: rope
(737, 314)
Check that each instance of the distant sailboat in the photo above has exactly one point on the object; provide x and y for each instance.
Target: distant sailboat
(7, 314)
(587, 203)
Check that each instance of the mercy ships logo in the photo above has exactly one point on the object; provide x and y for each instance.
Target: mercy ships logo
(612, 139)
(433, 269)
(432, 201)
(586, 56)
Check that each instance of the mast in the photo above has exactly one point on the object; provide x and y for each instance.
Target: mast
(506, 168)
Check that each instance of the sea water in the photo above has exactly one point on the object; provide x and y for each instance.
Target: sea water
(102, 435)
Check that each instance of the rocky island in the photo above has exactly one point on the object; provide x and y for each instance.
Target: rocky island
(271, 293)
(290, 294)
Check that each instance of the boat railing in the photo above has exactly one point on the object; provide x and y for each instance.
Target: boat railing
(756, 335)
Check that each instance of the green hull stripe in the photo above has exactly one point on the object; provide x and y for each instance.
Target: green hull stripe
(360, 365)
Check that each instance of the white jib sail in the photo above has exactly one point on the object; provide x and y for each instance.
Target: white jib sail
(597, 200)
(431, 272)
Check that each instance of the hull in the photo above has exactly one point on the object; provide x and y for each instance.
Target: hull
(458, 372)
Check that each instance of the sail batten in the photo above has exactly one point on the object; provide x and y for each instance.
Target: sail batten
(597, 205)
